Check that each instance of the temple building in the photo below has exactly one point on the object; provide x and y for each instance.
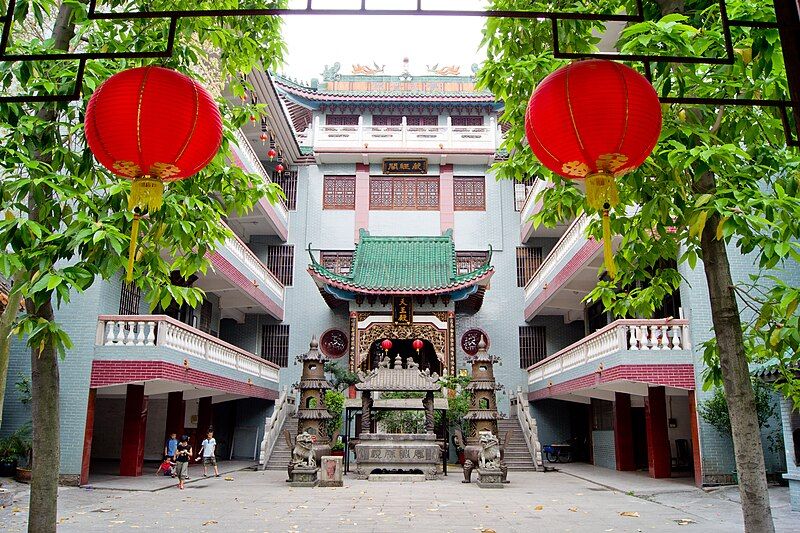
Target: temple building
(394, 227)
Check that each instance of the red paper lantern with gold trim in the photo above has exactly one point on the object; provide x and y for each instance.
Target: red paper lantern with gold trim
(417, 345)
(594, 120)
(386, 345)
(152, 125)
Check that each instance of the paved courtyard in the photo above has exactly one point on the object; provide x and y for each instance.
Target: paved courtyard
(262, 501)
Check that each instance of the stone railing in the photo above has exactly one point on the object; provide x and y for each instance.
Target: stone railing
(248, 156)
(632, 335)
(529, 429)
(284, 408)
(574, 234)
(528, 208)
(246, 256)
(166, 332)
(405, 136)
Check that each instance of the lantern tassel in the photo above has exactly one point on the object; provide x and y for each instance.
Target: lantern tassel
(608, 253)
(146, 193)
(132, 248)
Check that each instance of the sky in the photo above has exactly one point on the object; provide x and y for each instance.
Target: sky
(319, 40)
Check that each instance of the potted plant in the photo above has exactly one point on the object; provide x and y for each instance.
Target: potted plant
(337, 448)
(25, 449)
(12, 449)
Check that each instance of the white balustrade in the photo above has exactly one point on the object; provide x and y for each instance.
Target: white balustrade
(405, 136)
(574, 234)
(246, 256)
(636, 336)
(284, 408)
(529, 429)
(254, 166)
(161, 330)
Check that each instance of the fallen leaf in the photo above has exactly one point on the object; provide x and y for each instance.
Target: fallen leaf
(228, 478)
(685, 521)
(117, 522)
(633, 514)
(538, 508)
(573, 509)
(487, 530)
(209, 522)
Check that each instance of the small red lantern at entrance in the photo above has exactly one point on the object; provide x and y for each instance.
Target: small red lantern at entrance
(386, 345)
(271, 154)
(278, 168)
(594, 120)
(263, 137)
(417, 345)
(152, 125)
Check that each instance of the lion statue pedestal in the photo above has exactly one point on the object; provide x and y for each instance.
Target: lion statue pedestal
(303, 470)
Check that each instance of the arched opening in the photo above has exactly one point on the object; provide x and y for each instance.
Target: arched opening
(311, 402)
(426, 358)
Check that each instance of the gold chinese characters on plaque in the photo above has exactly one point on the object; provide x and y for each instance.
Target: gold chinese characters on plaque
(405, 166)
(401, 310)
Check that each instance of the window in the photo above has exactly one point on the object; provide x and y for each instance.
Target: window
(397, 120)
(469, 193)
(532, 345)
(337, 262)
(288, 182)
(339, 192)
(602, 415)
(280, 261)
(341, 120)
(403, 192)
(466, 120)
(275, 344)
(129, 298)
(528, 261)
(521, 191)
(206, 314)
(466, 262)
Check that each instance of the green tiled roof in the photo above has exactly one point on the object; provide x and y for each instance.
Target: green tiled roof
(424, 265)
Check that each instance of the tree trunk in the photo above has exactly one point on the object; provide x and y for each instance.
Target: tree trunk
(746, 433)
(43, 510)
(7, 319)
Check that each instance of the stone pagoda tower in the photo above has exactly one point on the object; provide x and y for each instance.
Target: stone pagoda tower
(482, 414)
(312, 414)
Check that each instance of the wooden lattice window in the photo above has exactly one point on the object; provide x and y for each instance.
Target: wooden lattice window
(275, 344)
(469, 193)
(280, 261)
(532, 345)
(339, 192)
(397, 120)
(206, 314)
(529, 258)
(338, 262)
(129, 297)
(466, 262)
(288, 182)
(341, 120)
(466, 120)
(404, 192)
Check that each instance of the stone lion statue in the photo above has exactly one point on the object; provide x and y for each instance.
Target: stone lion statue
(489, 454)
(303, 452)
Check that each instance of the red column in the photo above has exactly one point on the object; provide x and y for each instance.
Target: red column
(446, 208)
(697, 462)
(204, 419)
(623, 432)
(362, 198)
(658, 452)
(88, 433)
(132, 456)
(176, 409)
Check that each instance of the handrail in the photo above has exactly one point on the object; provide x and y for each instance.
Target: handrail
(273, 425)
(575, 232)
(250, 156)
(530, 200)
(529, 429)
(244, 254)
(162, 330)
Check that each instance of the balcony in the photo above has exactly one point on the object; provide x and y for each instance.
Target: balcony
(168, 353)
(532, 207)
(243, 283)
(265, 218)
(459, 144)
(566, 275)
(625, 356)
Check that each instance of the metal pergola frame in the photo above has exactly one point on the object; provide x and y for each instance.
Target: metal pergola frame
(787, 22)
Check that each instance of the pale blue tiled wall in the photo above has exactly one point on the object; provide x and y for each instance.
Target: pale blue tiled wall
(603, 449)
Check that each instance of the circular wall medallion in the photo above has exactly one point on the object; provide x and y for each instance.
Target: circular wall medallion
(333, 343)
(470, 340)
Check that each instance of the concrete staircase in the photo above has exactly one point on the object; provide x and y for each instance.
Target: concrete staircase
(282, 454)
(516, 456)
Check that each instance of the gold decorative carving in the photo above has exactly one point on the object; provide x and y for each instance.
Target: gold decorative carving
(611, 162)
(441, 315)
(575, 168)
(437, 337)
(127, 168)
(363, 315)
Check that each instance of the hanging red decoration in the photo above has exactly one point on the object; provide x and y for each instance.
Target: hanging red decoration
(417, 345)
(263, 137)
(594, 120)
(278, 168)
(386, 344)
(152, 125)
(253, 120)
(271, 154)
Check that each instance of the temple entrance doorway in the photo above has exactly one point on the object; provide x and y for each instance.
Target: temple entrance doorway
(426, 358)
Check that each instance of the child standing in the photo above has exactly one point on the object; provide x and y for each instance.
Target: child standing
(183, 454)
(208, 447)
(171, 449)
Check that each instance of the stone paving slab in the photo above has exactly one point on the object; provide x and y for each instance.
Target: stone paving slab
(263, 501)
(151, 482)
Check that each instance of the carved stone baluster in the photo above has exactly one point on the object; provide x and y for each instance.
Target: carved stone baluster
(119, 338)
(109, 337)
(677, 338)
(665, 340)
(140, 333)
(633, 342)
(151, 334)
(653, 338)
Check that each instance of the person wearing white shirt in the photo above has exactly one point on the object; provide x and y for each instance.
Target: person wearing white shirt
(207, 449)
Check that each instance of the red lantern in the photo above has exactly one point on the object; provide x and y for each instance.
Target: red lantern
(271, 154)
(152, 125)
(278, 168)
(263, 137)
(594, 120)
(253, 120)
(417, 345)
(386, 345)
